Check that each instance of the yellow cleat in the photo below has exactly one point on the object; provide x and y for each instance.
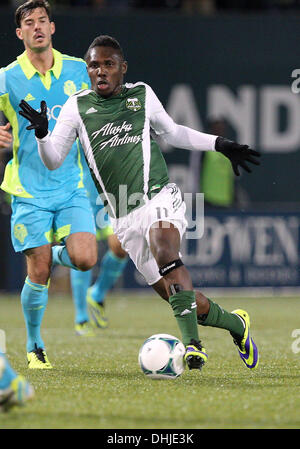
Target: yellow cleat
(37, 359)
(247, 349)
(18, 392)
(96, 311)
(84, 329)
(195, 355)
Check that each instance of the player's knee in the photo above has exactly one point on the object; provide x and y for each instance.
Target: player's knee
(39, 273)
(85, 265)
(85, 262)
(115, 246)
(119, 252)
(165, 254)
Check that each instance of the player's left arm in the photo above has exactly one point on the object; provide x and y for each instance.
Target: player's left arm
(184, 137)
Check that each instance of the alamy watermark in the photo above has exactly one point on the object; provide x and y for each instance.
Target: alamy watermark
(295, 87)
(168, 206)
(296, 343)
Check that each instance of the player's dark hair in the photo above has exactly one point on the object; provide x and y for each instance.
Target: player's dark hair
(105, 41)
(26, 8)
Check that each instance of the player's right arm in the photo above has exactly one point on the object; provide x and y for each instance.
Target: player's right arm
(54, 148)
(5, 136)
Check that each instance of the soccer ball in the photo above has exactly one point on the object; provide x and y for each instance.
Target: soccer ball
(161, 357)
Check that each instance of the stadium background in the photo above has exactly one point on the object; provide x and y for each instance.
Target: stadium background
(217, 62)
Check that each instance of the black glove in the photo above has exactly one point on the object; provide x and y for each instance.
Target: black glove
(237, 154)
(39, 120)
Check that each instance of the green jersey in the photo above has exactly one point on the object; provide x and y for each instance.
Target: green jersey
(126, 163)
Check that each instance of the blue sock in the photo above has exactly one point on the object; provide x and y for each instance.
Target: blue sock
(60, 256)
(7, 374)
(80, 282)
(34, 298)
(111, 269)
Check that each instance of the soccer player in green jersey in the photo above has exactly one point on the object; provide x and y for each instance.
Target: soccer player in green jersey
(115, 122)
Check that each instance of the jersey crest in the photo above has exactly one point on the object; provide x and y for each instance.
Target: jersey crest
(69, 88)
(133, 104)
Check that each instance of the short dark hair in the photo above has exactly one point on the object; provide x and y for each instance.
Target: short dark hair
(24, 9)
(105, 41)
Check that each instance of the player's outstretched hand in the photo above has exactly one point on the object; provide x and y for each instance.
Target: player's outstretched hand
(237, 154)
(38, 120)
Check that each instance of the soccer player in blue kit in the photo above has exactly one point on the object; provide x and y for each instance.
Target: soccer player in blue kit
(15, 390)
(111, 267)
(45, 205)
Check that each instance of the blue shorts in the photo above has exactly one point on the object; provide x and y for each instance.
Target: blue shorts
(40, 221)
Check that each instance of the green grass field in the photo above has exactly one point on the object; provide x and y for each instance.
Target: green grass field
(96, 382)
